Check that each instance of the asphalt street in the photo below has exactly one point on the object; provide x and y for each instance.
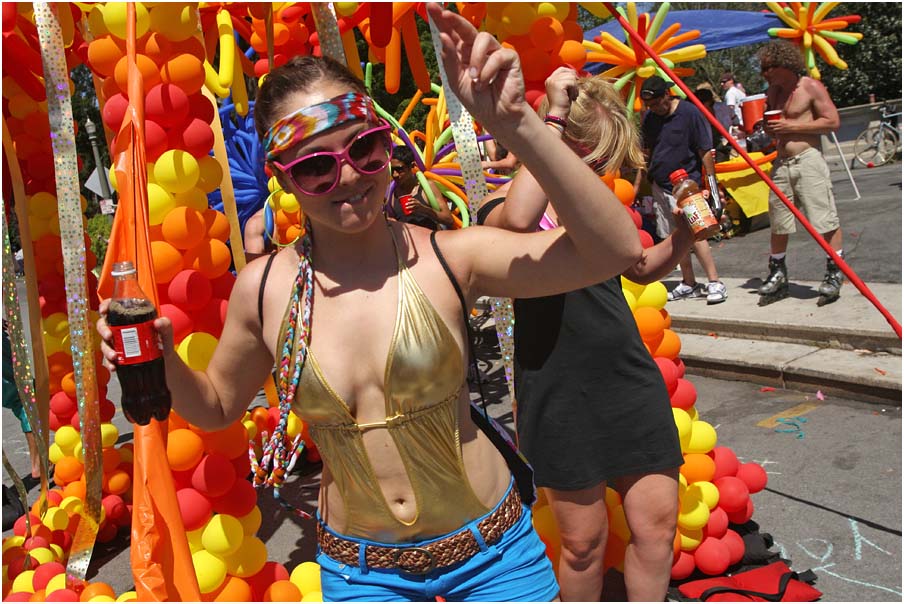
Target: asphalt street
(833, 502)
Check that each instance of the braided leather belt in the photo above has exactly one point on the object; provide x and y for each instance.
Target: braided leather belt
(421, 560)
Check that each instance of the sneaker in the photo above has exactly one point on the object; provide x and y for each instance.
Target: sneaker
(716, 292)
(683, 291)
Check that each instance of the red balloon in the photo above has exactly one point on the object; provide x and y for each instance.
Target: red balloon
(680, 365)
(685, 394)
(534, 96)
(196, 137)
(753, 475)
(238, 501)
(267, 576)
(45, 572)
(726, 462)
(222, 285)
(189, 290)
(63, 405)
(199, 106)
(182, 321)
(156, 140)
(213, 476)
(115, 509)
(18, 596)
(733, 494)
(210, 319)
(735, 544)
(717, 524)
(194, 507)
(242, 466)
(55, 422)
(114, 111)
(167, 105)
(743, 515)
(683, 567)
(646, 240)
(636, 217)
(712, 556)
(182, 479)
(669, 374)
(107, 410)
(60, 595)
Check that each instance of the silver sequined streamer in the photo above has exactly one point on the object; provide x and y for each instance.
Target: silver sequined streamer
(328, 31)
(72, 234)
(476, 189)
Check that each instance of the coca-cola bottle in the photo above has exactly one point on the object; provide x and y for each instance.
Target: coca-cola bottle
(140, 367)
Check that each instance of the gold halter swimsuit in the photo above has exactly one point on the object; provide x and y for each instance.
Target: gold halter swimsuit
(423, 380)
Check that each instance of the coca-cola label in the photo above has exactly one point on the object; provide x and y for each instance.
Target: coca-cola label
(135, 343)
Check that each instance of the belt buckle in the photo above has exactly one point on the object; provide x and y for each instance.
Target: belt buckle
(414, 570)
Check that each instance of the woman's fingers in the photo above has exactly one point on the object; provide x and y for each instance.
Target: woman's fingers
(164, 327)
(499, 62)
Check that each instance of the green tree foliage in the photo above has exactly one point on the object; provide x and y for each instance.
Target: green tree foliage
(99, 227)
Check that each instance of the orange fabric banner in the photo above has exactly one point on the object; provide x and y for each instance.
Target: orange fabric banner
(160, 557)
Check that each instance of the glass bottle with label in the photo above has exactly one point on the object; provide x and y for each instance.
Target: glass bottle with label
(693, 205)
(140, 367)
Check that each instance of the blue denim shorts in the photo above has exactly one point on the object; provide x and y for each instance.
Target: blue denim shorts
(514, 568)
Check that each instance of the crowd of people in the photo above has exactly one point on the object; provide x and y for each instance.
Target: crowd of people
(416, 502)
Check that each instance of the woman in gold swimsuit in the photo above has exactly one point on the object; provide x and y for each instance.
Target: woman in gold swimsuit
(366, 324)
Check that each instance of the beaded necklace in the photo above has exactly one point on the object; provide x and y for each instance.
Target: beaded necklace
(277, 460)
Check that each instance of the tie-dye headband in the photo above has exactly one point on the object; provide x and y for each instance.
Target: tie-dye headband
(314, 119)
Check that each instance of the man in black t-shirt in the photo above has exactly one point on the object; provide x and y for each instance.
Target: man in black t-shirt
(676, 136)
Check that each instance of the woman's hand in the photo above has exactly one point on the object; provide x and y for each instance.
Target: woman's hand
(162, 325)
(561, 91)
(485, 76)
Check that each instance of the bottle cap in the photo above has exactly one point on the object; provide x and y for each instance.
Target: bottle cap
(121, 269)
(677, 175)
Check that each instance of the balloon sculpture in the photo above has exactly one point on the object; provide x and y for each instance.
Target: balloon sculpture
(809, 28)
(630, 63)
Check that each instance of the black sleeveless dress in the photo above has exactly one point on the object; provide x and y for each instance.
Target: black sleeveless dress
(591, 403)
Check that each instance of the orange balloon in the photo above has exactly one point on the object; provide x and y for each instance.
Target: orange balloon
(157, 48)
(68, 469)
(260, 417)
(624, 190)
(650, 323)
(118, 482)
(97, 589)
(77, 488)
(111, 460)
(217, 225)
(176, 421)
(666, 317)
(573, 53)
(547, 34)
(183, 227)
(697, 467)
(67, 384)
(211, 258)
(282, 591)
(59, 364)
(231, 441)
(670, 345)
(109, 87)
(185, 71)
(609, 180)
(184, 449)
(167, 261)
(104, 53)
(149, 71)
(233, 589)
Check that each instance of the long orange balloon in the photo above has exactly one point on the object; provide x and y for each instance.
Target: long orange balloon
(381, 24)
(393, 62)
(413, 52)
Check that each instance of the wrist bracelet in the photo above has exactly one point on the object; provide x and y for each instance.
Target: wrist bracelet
(554, 119)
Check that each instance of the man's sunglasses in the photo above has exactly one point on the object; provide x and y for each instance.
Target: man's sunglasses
(318, 173)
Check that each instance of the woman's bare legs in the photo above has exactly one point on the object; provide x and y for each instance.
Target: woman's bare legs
(583, 527)
(651, 507)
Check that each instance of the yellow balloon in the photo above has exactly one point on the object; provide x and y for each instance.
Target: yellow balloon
(306, 577)
(314, 596)
(195, 198)
(42, 205)
(66, 438)
(56, 519)
(693, 513)
(634, 288)
(630, 299)
(71, 504)
(251, 521)
(249, 559)
(684, 424)
(55, 453)
(693, 413)
(690, 538)
(56, 583)
(613, 499)
(345, 9)
(210, 570)
(176, 171)
(546, 9)
(128, 596)
(703, 437)
(294, 425)
(251, 427)
(222, 535)
(114, 16)
(194, 540)
(41, 555)
(78, 452)
(160, 203)
(197, 349)
(14, 541)
(211, 174)
(709, 493)
(654, 295)
(109, 434)
(288, 203)
(178, 20)
(23, 582)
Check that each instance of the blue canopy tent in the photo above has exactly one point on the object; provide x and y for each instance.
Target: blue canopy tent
(719, 29)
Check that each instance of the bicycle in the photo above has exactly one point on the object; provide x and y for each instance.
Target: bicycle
(876, 145)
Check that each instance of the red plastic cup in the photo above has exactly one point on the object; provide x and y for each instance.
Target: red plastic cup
(775, 114)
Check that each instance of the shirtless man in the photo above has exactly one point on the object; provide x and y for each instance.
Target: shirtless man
(800, 170)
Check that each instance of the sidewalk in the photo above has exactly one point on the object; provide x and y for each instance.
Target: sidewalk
(846, 348)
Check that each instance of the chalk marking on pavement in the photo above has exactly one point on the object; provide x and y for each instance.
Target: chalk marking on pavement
(824, 569)
(772, 422)
(859, 540)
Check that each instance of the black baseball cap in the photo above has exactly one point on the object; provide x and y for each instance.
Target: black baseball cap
(654, 87)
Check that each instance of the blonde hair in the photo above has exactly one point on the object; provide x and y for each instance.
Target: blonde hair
(599, 123)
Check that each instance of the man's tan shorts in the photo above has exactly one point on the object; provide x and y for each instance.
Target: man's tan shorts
(806, 182)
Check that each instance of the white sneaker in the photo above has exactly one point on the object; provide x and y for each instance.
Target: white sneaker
(716, 292)
(683, 291)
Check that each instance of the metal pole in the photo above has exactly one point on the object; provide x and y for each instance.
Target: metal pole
(847, 168)
(91, 129)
